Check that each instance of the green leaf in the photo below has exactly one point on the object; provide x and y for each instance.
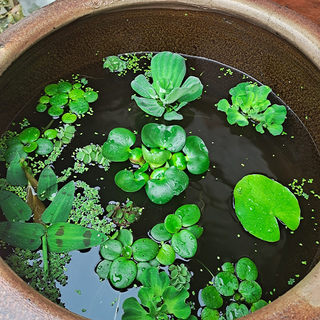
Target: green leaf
(276, 114)
(111, 249)
(76, 94)
(172, 223)
(15, 173)
(149, 106)
(125, 237)
(30, 147)
(64, 87)
(59, 100)
(168, 70)
(60, 207)
(246, 269)
(22, 235)
(51, 89)
(197, 155)
(178, 160)
(175, 303)
(166, 255)
(117, 146)
(136, 156)
(275, 129)
(209, 314)
(142, 86)
(144, 249)
(13, 207)
(45, 146)
(103, 269)
(158, 282)
(259, 201)
(226, 283)
(155, 157)
(13, 150)
(228, 266)
(141, 266)
(41, 107)
(235, 311)
(65, 237)
(29, 135)
(79, 106)
(55, 111)
(160, 233)
(189, 214)
(194, 89)
(44, 99)
(91, 96)
(250, 291)
(211, 297)
(114, 64)
(122, 273)
(223, 105)
(155, 135)
(184, 244)
(134, 311)
(196, 230)
(69, 118)
(234, 116)
(130, 182)
(172, 115)
(172, 184)
(258, 305)
(48, 184)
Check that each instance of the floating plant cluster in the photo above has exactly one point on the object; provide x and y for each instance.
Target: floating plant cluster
(41, 214)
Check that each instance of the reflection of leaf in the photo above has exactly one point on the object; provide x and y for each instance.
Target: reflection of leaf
(259, 201)
(22, 235)
(35, 204)
(65, 237)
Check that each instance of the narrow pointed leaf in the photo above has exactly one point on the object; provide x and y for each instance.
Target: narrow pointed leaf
(15, 173)
(48, 184)
(65, 237)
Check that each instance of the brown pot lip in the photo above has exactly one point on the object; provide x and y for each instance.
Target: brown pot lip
(19, 301)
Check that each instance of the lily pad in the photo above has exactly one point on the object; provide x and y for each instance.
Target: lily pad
(55, 111)
(250, 290)
(228, 266)
(45, 146)
(259, 201)
(51, 89)
(184, 244)
(50, 134)
(172, 223)
(196, 230)
(103, 269)
(41, 107)
(141, 267)
(111, 249)
(69, 118)
(91, 96)
(211, 297)
(64, 87)
(166, 255)
(30, 147)
(15, 150)
(258, 305)
(210, 314)
(79, 106)
(29, 135)
(125, 237)
(197, 155)
(235, 311)
(15, 174)
(122, 273)
(76, 94)
(189, 214)
(59, 100)
(144, 249)
(226, 283)
(246, 269)
(160, 233)
(129, 181)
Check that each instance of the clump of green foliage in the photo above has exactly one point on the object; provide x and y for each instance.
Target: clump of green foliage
(166, 95)
(123, 214)
(58, 96)
(114, 64)
(180, 277)
(249, 102)
(236, 283)
(269, 200)
(170, 153)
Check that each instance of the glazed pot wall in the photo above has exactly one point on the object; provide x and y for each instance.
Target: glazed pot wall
(183, 29)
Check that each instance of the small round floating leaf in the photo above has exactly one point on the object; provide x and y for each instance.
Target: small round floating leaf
(226, 283)
(246, 269)
(259, 201)
(45, 146)
(125, 237)
(166, 255)
(178, 160)
(127, 181)
(211, 297)
(141, 266)
(197, 155)
(76, 94)
(250, 290)
(210, 314)
(79, 106)
(258, 305)
(59, 100)
(228, 266)
(122, 273)
(184, 244)
(111, 249)
(41, 107)
(29, 135)
(69, 117)
(145, 249)
(172, 223)
(196, 230)
(50, 134)
(136, 156)
(77, 85)
(91, 96)
(55, 111)
(30, 147)
(117, 146)
(44, 100)
(235, 311)
(51, 89)
(103, 269)
(160, 233)
(64, 86)
(189, 214)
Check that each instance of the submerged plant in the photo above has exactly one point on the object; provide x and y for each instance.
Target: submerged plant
(166, 95)
(249, 102)
(170, 153)
(259, 201)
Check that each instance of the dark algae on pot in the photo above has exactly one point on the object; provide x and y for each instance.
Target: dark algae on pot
(159, 186)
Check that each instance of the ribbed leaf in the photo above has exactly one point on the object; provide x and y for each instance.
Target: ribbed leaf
(48, 184)
(142, 86)
(149, 106)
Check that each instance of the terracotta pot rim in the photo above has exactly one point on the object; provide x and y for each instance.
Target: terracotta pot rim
(299, 31)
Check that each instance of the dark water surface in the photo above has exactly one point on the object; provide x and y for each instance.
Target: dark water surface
(234, 152)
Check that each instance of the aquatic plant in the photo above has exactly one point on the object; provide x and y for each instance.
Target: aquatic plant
(259, 201)
(170, 153)
(180, 276)
(166, 95)
(114, 64)
(249, 102)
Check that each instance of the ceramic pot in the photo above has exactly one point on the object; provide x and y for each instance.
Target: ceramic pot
(265, 40)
